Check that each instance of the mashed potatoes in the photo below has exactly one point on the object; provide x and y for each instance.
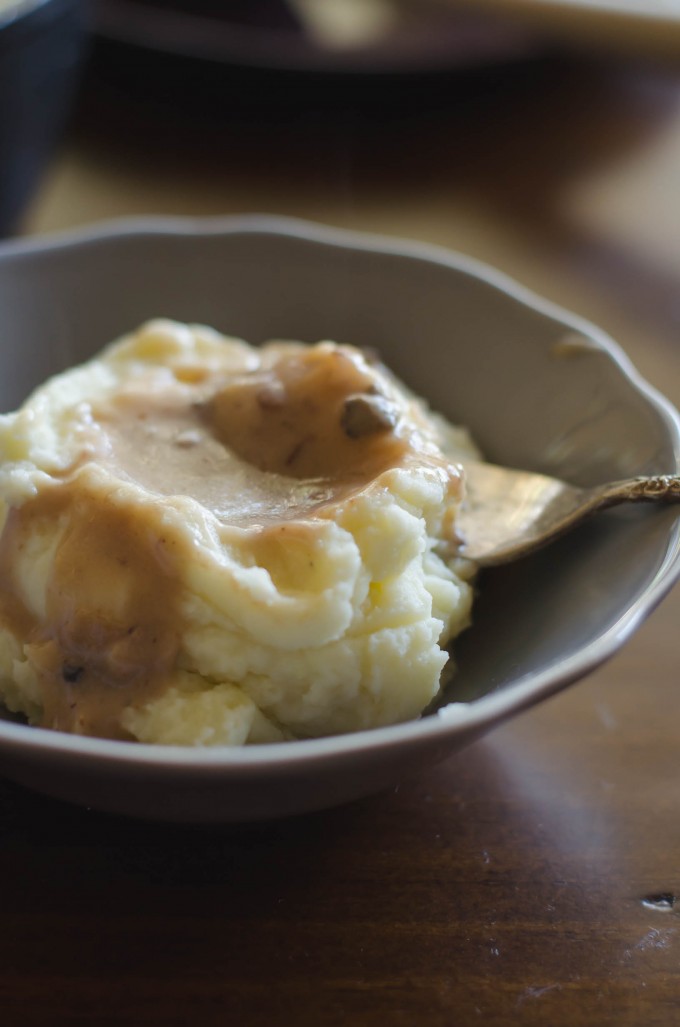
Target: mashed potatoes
(204, 543)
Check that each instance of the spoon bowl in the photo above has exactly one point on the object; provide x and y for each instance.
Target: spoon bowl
(508, 514)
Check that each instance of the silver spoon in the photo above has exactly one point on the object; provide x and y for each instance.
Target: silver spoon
(507, 514)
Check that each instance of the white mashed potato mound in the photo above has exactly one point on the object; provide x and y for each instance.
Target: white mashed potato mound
(292, 635)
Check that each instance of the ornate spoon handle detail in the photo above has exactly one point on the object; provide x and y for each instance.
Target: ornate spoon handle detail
(659, 488)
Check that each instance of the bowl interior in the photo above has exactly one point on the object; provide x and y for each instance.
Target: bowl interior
(537, 389)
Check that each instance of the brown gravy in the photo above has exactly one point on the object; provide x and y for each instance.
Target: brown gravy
(111, 628)
(273, 445)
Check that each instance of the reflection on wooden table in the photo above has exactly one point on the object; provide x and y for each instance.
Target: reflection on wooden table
(507, 884)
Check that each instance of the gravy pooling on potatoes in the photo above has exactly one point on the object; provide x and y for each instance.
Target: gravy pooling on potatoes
(268, 449)
(93, 660)
(287, 441)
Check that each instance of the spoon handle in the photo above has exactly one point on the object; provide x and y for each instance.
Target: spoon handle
(660, 488)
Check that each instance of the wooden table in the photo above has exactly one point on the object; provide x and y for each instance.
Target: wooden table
(507, 885)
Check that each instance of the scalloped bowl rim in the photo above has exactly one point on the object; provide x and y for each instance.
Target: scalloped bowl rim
(475, 717)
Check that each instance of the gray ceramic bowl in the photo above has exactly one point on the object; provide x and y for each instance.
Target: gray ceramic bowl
(538, 387)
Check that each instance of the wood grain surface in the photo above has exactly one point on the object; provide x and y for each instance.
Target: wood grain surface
(505, 886)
